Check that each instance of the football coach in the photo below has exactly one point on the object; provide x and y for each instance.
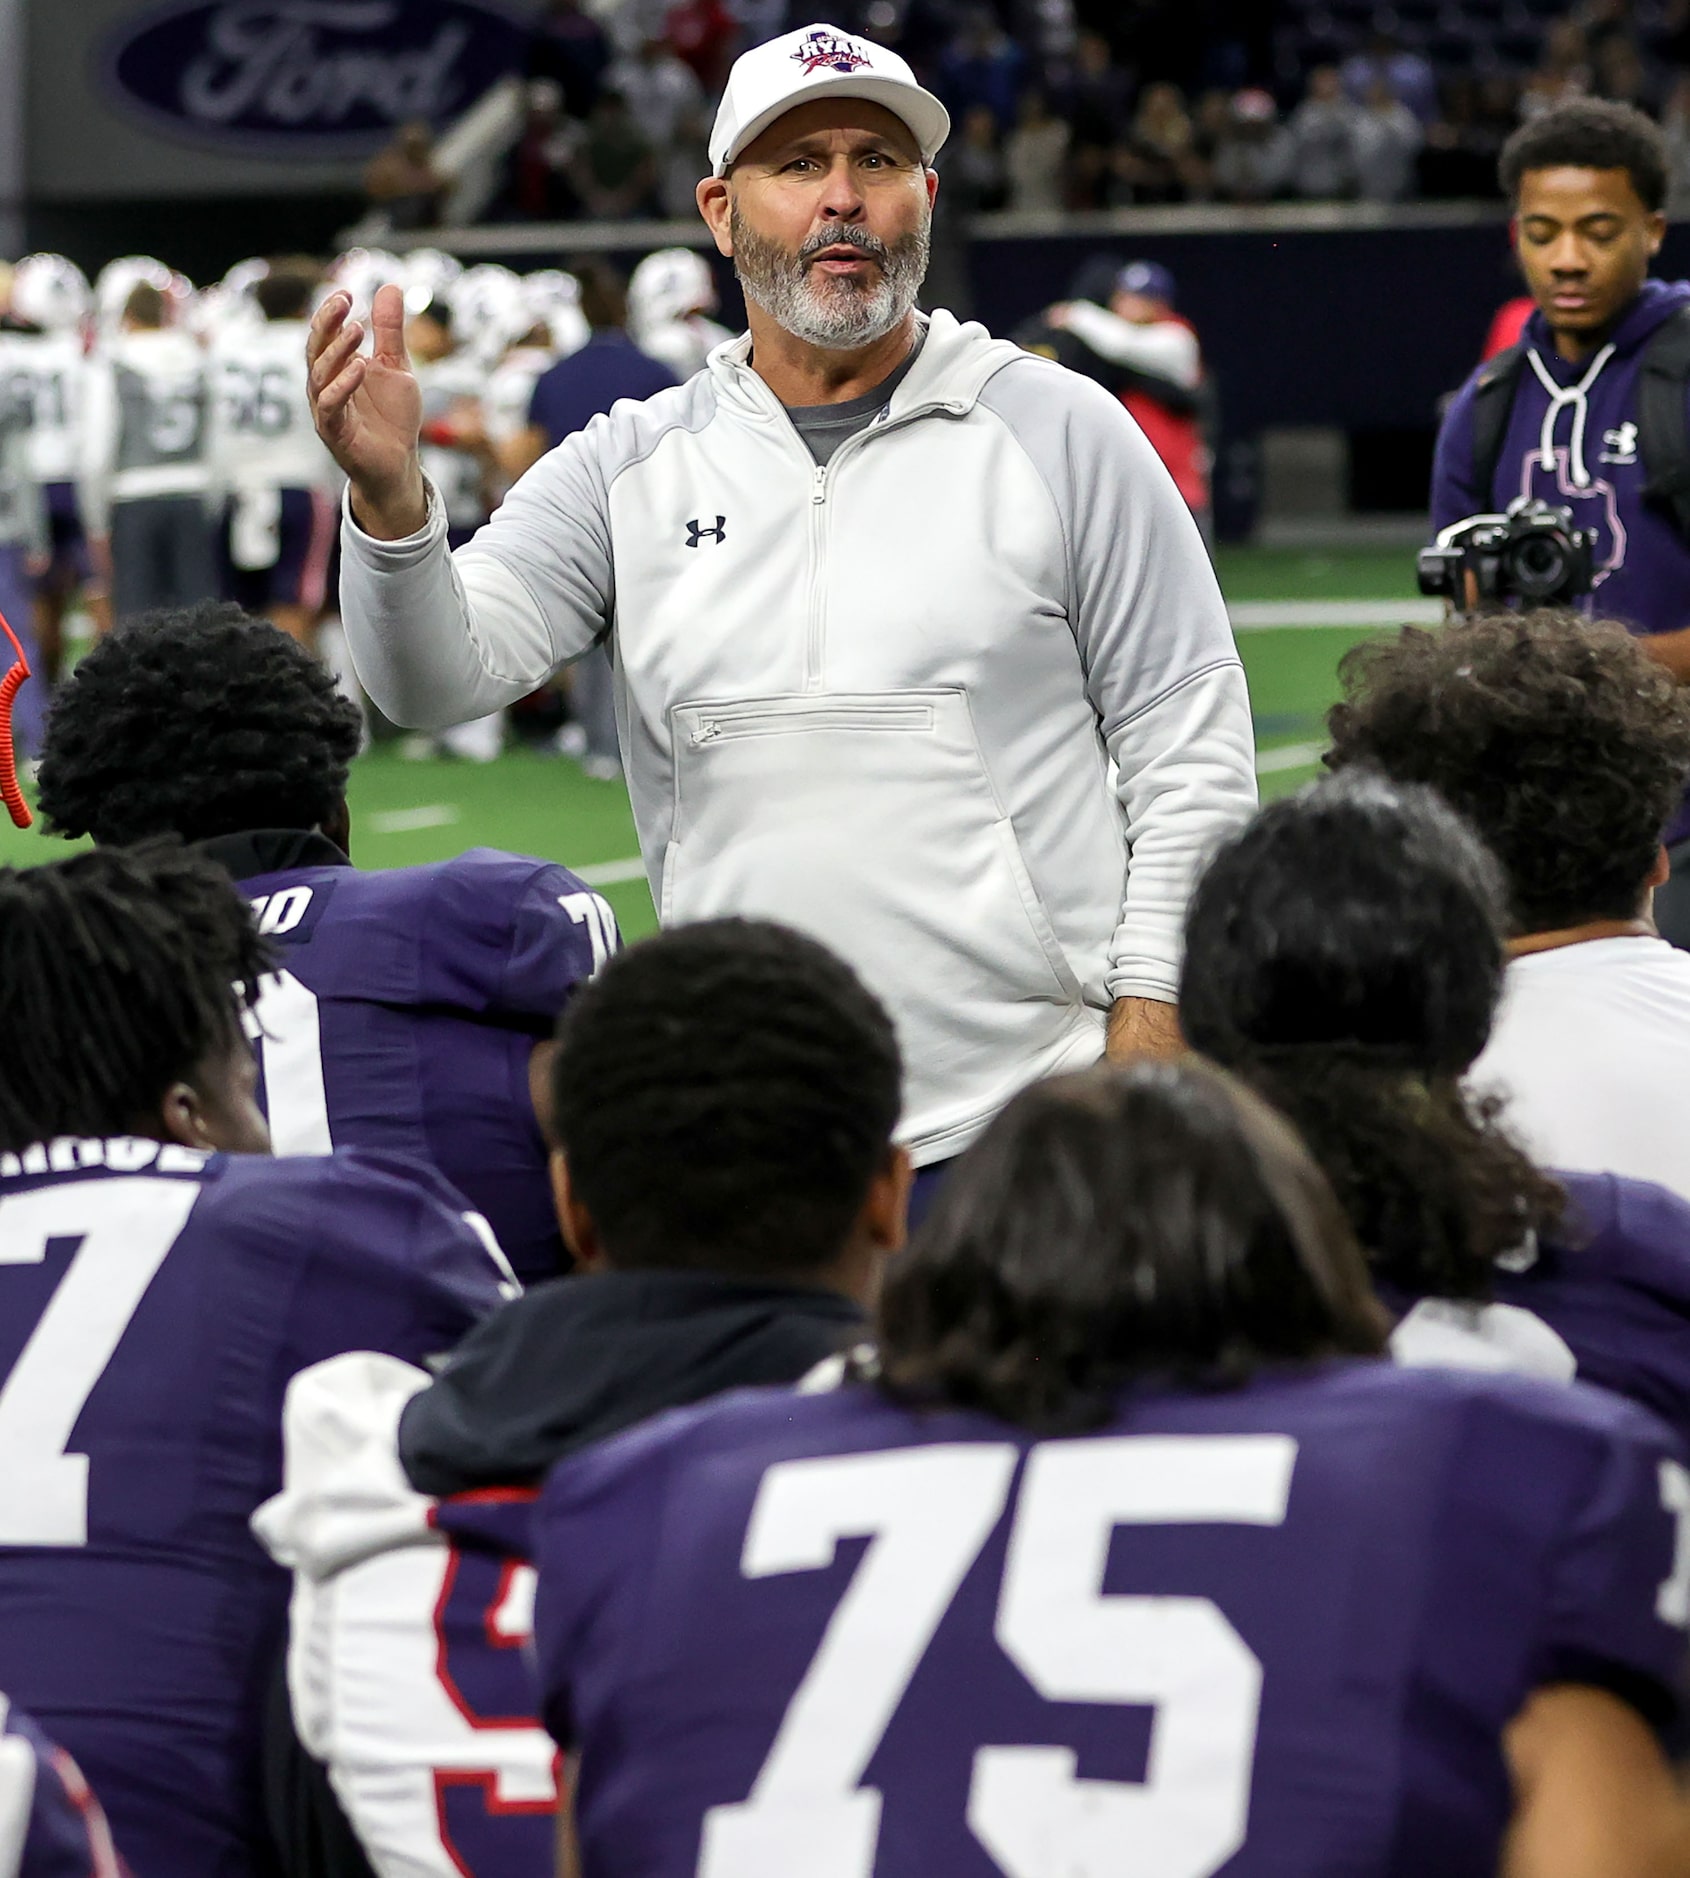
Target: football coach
(917, 647)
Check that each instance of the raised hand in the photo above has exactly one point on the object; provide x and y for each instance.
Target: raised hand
(368, 411)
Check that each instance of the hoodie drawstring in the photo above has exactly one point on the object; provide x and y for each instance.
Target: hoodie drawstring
(1575, 395)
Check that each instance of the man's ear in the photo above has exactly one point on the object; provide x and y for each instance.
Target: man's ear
(1661, 872)
(1657, 231)
(715, 204)
(181, 1116)
(885, 1218)
(932, 185)
(574, 1221)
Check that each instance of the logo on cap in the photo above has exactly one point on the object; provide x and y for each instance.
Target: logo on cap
(830, 51)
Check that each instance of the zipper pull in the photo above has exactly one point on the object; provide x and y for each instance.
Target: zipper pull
(818, 484)
(707, 732)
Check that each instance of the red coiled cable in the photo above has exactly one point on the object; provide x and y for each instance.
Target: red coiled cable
(10, 686)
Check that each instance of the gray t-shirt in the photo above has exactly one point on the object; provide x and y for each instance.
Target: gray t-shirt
(824, 427)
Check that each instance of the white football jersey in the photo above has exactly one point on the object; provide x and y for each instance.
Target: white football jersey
(48, 371)
(405, 1652)
(510, 390)
(262, 436)
(458, 474)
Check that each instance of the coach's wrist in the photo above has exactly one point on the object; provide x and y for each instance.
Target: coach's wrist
(392, 514)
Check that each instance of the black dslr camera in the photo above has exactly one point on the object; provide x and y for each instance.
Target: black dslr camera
(1532, 553)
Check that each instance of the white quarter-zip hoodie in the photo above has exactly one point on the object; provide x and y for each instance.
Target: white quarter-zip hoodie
(964, 704)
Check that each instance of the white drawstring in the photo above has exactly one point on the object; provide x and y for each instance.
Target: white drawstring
(1575, 396)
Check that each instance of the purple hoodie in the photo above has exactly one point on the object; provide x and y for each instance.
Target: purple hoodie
(1576, 446)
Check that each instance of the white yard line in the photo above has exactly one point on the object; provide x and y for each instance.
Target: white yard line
(1288, 756)
(403, 821)
(611, 873)
(1254, 616)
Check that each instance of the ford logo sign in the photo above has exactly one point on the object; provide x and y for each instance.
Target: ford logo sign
(292, 78)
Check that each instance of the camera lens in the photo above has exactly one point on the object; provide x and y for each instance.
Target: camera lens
(1540, 567)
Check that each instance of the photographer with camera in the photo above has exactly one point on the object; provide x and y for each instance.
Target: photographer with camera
(1563, 464)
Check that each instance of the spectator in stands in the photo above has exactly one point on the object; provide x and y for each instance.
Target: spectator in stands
(1387, 138)
(982, 65)
(680, 163)
(660, 89)
(1344, 956)
(705, 35)
(569, 48)
(1157, 161)
(1563, 74)
(614, 169)
(973, 164)
(1323, 131)
(1097, 106)
(1675, 127)
(1035, 155)
(1408, 74)
(1459, 158)
(537, 187)
(403, 182)
(1618, 72)
(1568, 748)
(1253, 161)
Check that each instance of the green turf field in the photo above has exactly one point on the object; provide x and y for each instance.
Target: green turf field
(405, 812)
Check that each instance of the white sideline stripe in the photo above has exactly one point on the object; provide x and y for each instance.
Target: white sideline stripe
(402, 821)
(1288, 756)
(610, 873)
(1253, 616)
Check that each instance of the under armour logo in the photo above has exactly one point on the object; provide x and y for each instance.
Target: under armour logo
(1621, 445)
(696, 532)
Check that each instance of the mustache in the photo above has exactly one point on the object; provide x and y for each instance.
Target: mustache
(846, 236)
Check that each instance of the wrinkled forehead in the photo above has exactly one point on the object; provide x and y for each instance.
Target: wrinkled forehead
(830, 124)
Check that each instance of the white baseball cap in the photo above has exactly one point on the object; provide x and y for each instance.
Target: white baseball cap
(770, 79)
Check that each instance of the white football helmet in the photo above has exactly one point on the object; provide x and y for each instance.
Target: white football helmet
(668, 285)
(118, 279)
(51, 292)
(429, 274)
(554, 297)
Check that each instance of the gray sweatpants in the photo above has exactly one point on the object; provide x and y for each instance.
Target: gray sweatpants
(161, 554)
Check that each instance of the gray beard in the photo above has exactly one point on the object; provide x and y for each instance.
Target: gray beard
(836, 314)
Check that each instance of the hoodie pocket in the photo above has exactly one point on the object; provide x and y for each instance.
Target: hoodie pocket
(871, 821)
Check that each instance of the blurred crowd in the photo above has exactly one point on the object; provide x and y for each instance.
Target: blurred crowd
(1060, 107)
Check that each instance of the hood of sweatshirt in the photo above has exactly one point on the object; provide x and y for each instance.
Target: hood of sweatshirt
(956, 361)
(577, 1359)
(1579, 383)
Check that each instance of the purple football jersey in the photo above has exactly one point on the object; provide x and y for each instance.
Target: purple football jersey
(481, 1658)
(1618, 1294)
(154, 1303)
(1271, 1630)
(408, 1006)
(51, 1825)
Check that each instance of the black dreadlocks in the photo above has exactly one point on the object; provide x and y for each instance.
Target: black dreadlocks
(119, 980)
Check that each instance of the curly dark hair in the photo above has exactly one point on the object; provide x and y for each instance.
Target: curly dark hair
(1589, 134)
(1344, 956)
(125, 969)
(1157, 1221)
(197, 723)
(726, 1093)
(1560, 740)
